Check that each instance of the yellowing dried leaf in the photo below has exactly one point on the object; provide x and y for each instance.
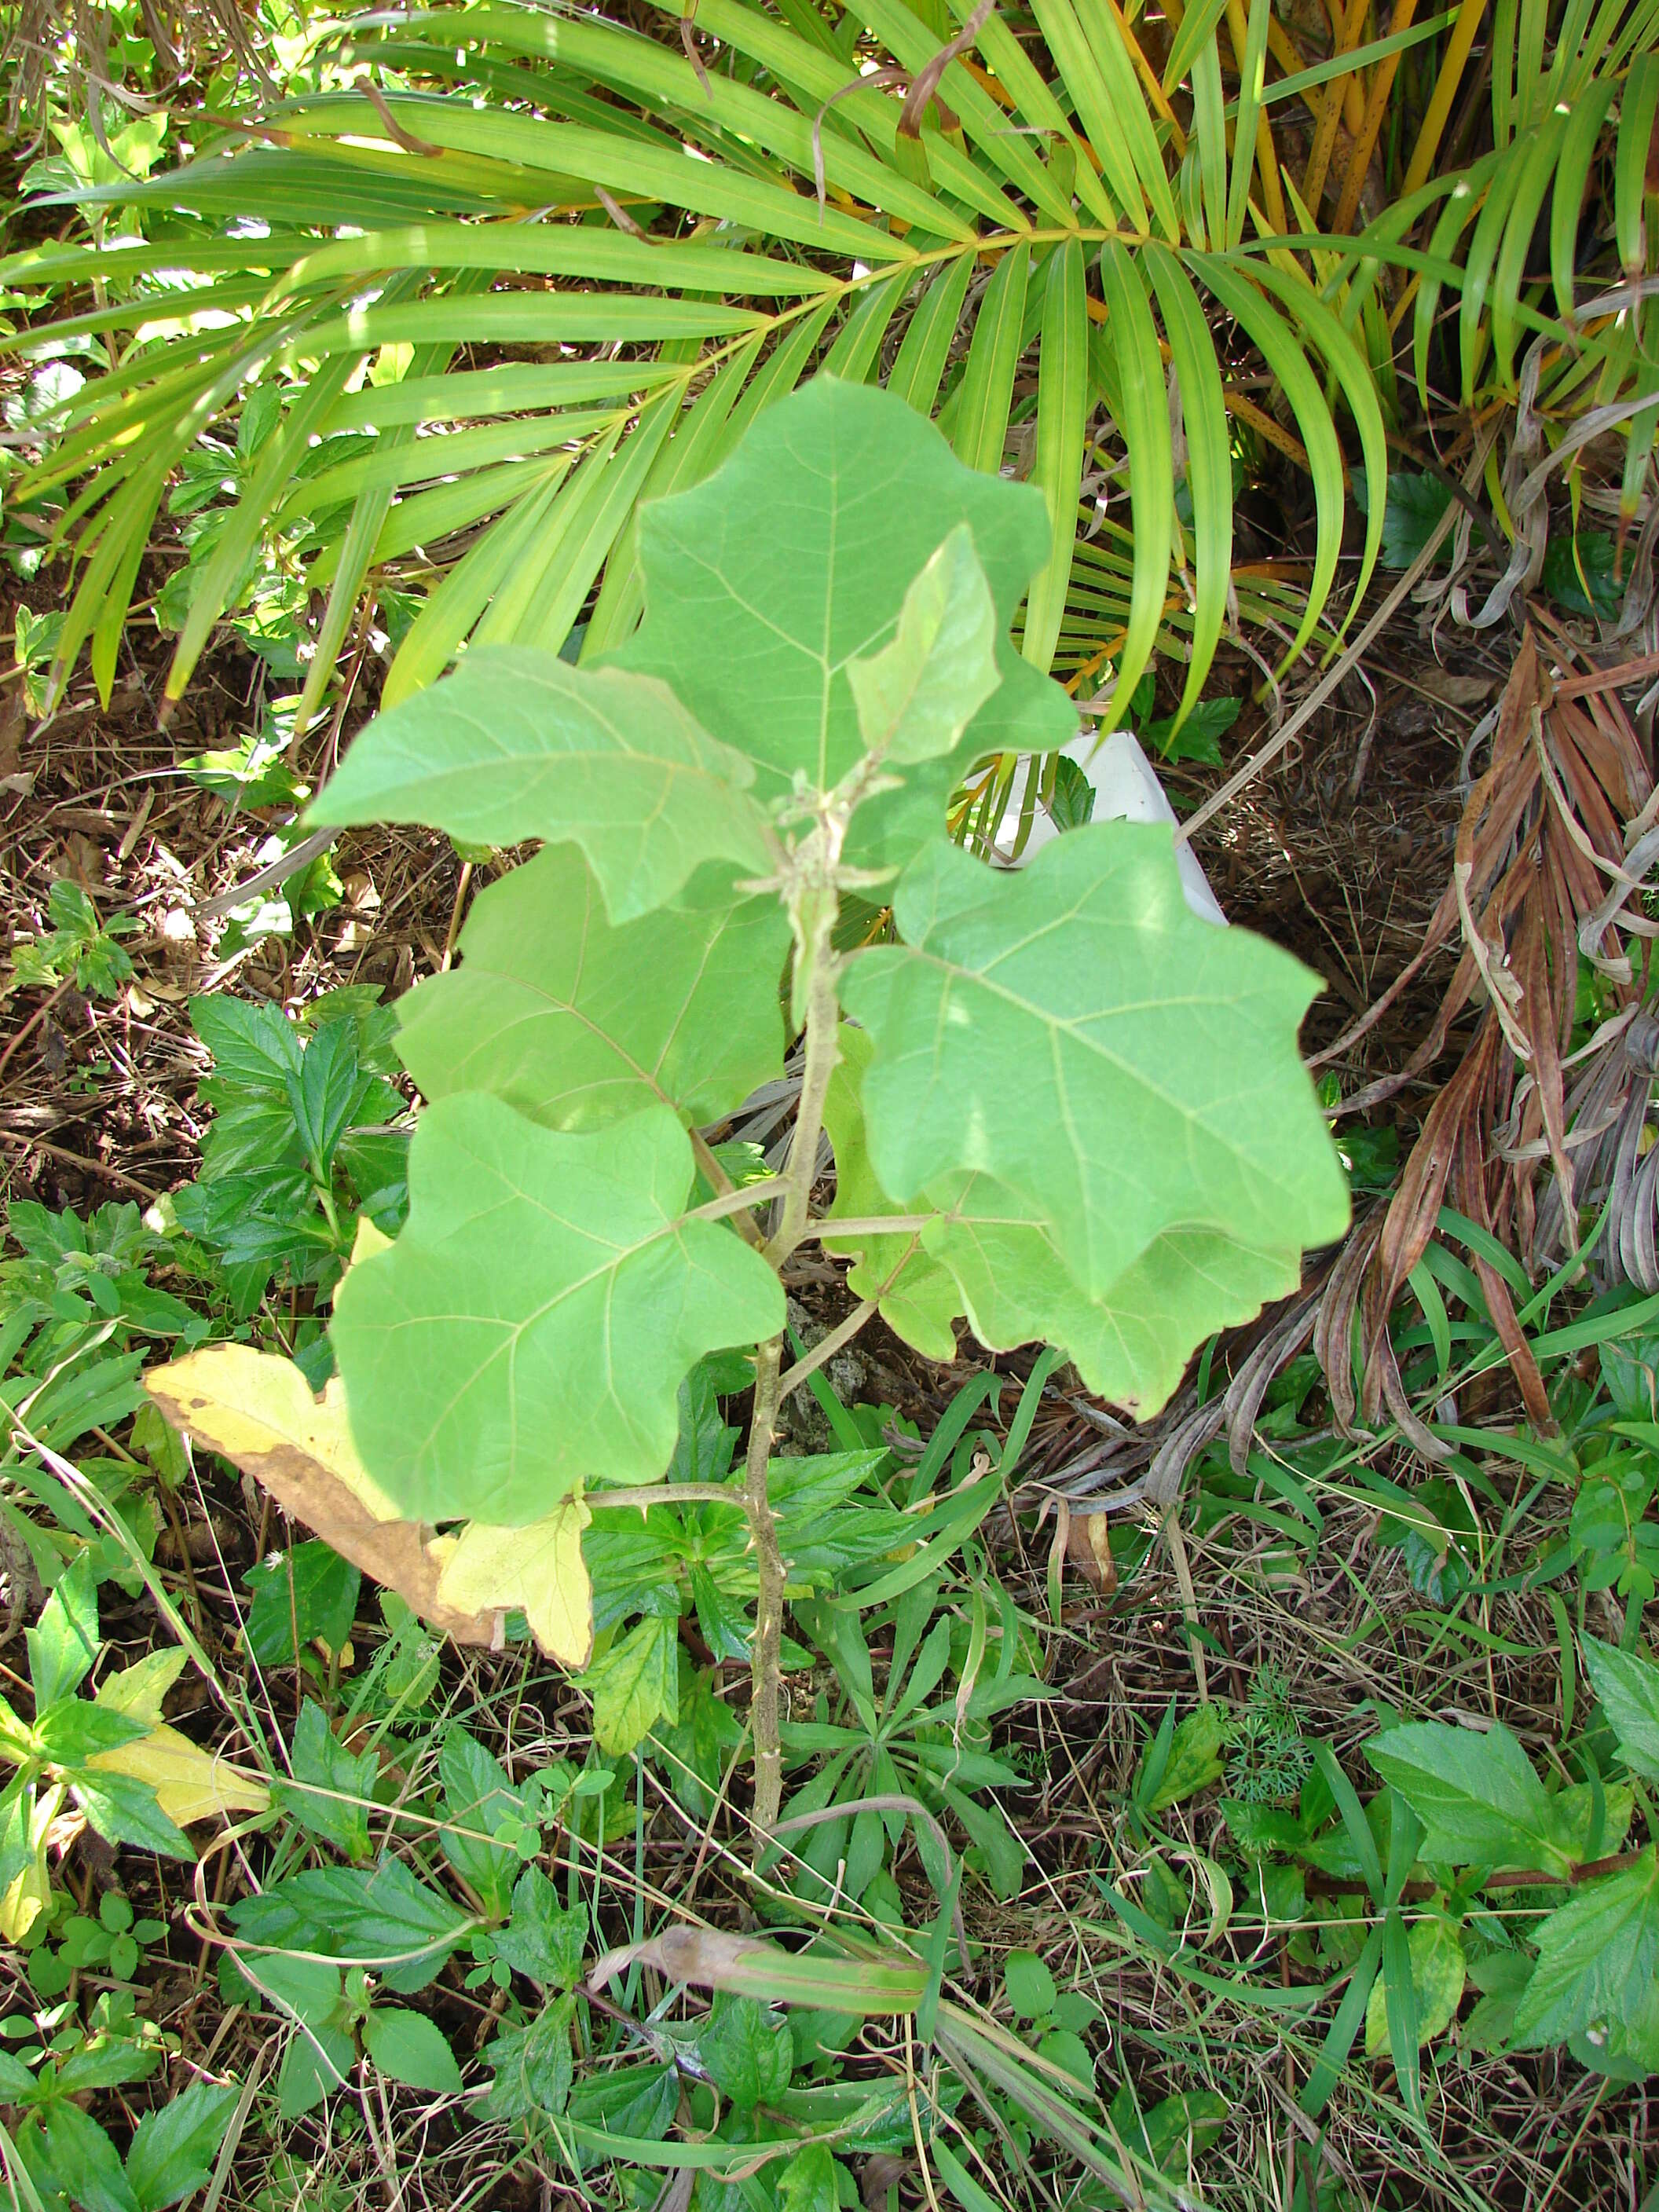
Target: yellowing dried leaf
(250, 1404)
(190, 1784)
(137, 1691)
(539, 1569)
(1088, 1547)
(258, 1411)
(27, 1897)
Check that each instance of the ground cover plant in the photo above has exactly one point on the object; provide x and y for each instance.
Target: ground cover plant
(705, 1501)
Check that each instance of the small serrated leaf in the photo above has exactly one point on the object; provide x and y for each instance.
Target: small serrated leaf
(175, 2146)
(633, 1685)
(542, 1939)
(412, 2050)
(1598, 1956)
(1476, 1794)
(1628, 1687)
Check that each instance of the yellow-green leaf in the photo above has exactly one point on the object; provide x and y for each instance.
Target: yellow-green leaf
(1438, 1973)
(539, 1571)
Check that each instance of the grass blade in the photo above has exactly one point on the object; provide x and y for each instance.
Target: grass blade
(1463, 204)
(1470, 16)
(1578, 145)
(1247, 153)
(958, 2179)
(858, 344)
(1401, 1995)
(435, 637)
(1509, 270)
(690, 454)
(247, 518)
(1631, 189)
(1211, 131)
(1472, 328)
(1092, 96)
(1355, 1824)
(1033, 98)
(1327, 2069)
(916, 373)
(1281, 345)
(750, 1967)
(1348, 366)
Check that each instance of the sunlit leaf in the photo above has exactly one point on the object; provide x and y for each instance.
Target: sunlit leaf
(532, 1324)
(578, 1023)
(1075, 1032)
(517, 744)
(765, 582)
(539, 1570)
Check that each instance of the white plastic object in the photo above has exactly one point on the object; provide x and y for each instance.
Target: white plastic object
(1127, 789)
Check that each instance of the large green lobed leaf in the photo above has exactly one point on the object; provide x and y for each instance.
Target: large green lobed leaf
(1132, 1342)
(517, 744)
(1129, 1073)
(531, 1326)
(918, 1300)
(991, 1258)
(577, 1025)
(766, 583)
(772, 590)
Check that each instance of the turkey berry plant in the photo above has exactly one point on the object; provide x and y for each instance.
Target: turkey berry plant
(1061, 1106)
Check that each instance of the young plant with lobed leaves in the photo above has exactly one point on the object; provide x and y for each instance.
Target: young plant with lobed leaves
(1068, 1109)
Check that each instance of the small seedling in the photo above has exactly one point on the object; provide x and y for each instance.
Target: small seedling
(114, 1944)
(77, 947)
(305, 1142)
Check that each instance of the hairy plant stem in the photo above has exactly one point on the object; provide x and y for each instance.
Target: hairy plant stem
(765, 1693)
(823, 1055)
(826, 1348)
(815, 912)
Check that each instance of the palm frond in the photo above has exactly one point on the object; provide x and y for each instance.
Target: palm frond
(607, 259)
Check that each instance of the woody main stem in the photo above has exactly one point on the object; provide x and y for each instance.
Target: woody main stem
(822, 1022)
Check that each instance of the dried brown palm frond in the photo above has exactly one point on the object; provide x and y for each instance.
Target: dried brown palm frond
(1555, 841)
(1558, 818)
(70, 39)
